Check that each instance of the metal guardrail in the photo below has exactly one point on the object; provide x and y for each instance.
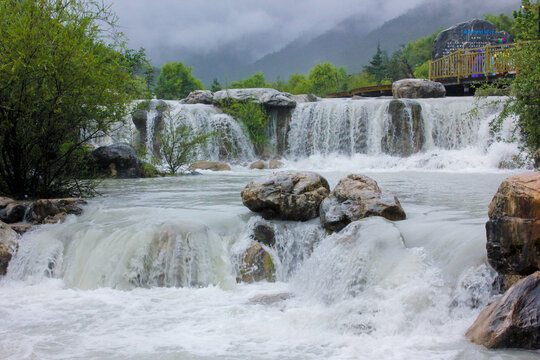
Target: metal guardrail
(469, 63)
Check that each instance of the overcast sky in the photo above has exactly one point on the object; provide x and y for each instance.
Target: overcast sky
(254, 27)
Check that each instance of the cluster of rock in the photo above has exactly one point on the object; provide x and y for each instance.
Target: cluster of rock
(265, 96)
(301, 196)
(513, 249)
(262, 164)
(17, 217)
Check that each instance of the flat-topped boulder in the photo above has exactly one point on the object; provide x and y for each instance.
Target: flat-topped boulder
(286, 195)
(209, 165)
(513, 320)
(264, 96)
(417, 89)
(199, 97)
(513, 229)
(356, 197)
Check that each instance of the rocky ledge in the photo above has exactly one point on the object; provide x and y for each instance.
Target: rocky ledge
(417, 89)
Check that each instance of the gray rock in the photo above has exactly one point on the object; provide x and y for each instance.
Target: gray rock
(471, 34)
(117, 160)
(275, 164)
(264, 233)
(417, 89)
(513, 320)
(356, 197)
(258, 165)
(257, 265)
(13, 212)
(405, 133)
(200, 97)
(53, 210)
(267, 97)
(305, 98)
(286, 195)
(513, 228)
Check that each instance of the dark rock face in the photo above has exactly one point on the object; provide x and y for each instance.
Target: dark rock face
(117, 160)
(257, 265)
(417, 89)
(13, 212)
(537, 159)
(357, 197)
(146, 114)
(264, 233)
(471, 34)
(513, 229)
(512, 321)
(405, 133)
(53, 210)
(286, 195)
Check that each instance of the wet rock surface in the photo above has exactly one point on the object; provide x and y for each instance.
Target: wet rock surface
(264, 96)
(8, 244)
(264, 233)
(257, 265)
(209, 165)
(199, 97)
(258, 165)
(513, 229)
(47, 211)
(513, 320)
(118, 160)
(405, 134)
(417, 89)
(286, 195)
(356, 197)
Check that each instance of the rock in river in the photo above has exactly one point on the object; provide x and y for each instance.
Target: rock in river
(417, 89)
(286, 195)
(356, 197)
(210, 165)
(513, 229)
(8, 243)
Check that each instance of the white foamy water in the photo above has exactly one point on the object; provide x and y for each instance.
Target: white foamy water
(149, 270)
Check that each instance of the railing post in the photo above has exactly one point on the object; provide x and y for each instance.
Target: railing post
(487, 62)
(430, 75)
(459, 63)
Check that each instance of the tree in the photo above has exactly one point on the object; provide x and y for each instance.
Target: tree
(62, 84)
(526, 21)
(179, 142)
(298, 84)
(215, 86)
(256, 80)
(325, 78)
(136, 63)
(378, 65)
(175, 81)
(502, 22)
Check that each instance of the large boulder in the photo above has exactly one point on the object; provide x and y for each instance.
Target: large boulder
(264, 96)
(257, 265)
(275, 164)
(258, 165)
(356, 197)
(45, 211)
(199, 97)
(417, 89)
(117, 160)
(8, 244)
(286, 195)
(13, 211)
(405, 133)
(305, 98)
(209, 165)
(513, 320)
(513, 229)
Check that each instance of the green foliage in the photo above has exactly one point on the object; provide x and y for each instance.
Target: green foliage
(175, 82)
(63, 83)
(179, 142)
(422, 71)
(254, 81)
(502, 22)
(138, 66)
(378, 66)
(326, 78)
(417, 52)
(215, 86)
(526, 21)
(253, 118)
(298, 84)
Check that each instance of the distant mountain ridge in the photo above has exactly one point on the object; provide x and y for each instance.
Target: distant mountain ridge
(351, 43)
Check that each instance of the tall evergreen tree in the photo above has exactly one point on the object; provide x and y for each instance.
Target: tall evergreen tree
(378, 65)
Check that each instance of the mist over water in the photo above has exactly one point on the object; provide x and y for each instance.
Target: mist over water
(149, 270)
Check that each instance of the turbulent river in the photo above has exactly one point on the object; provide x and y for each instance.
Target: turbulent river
(148, 271)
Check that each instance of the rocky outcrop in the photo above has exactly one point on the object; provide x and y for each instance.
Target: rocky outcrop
(257, 265)
(264, 233)
(117, 160)
(513, 229)
(405, 133)
(356, 197)
(286, 195)
(305, 98)
(513, 320)
(150, 111)
(8, 244)
(264, 96)
(12, 211)
(199, 97)
(258, 165)
(417, 89)
(46, 211)
(536, 159)
(209, 165)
